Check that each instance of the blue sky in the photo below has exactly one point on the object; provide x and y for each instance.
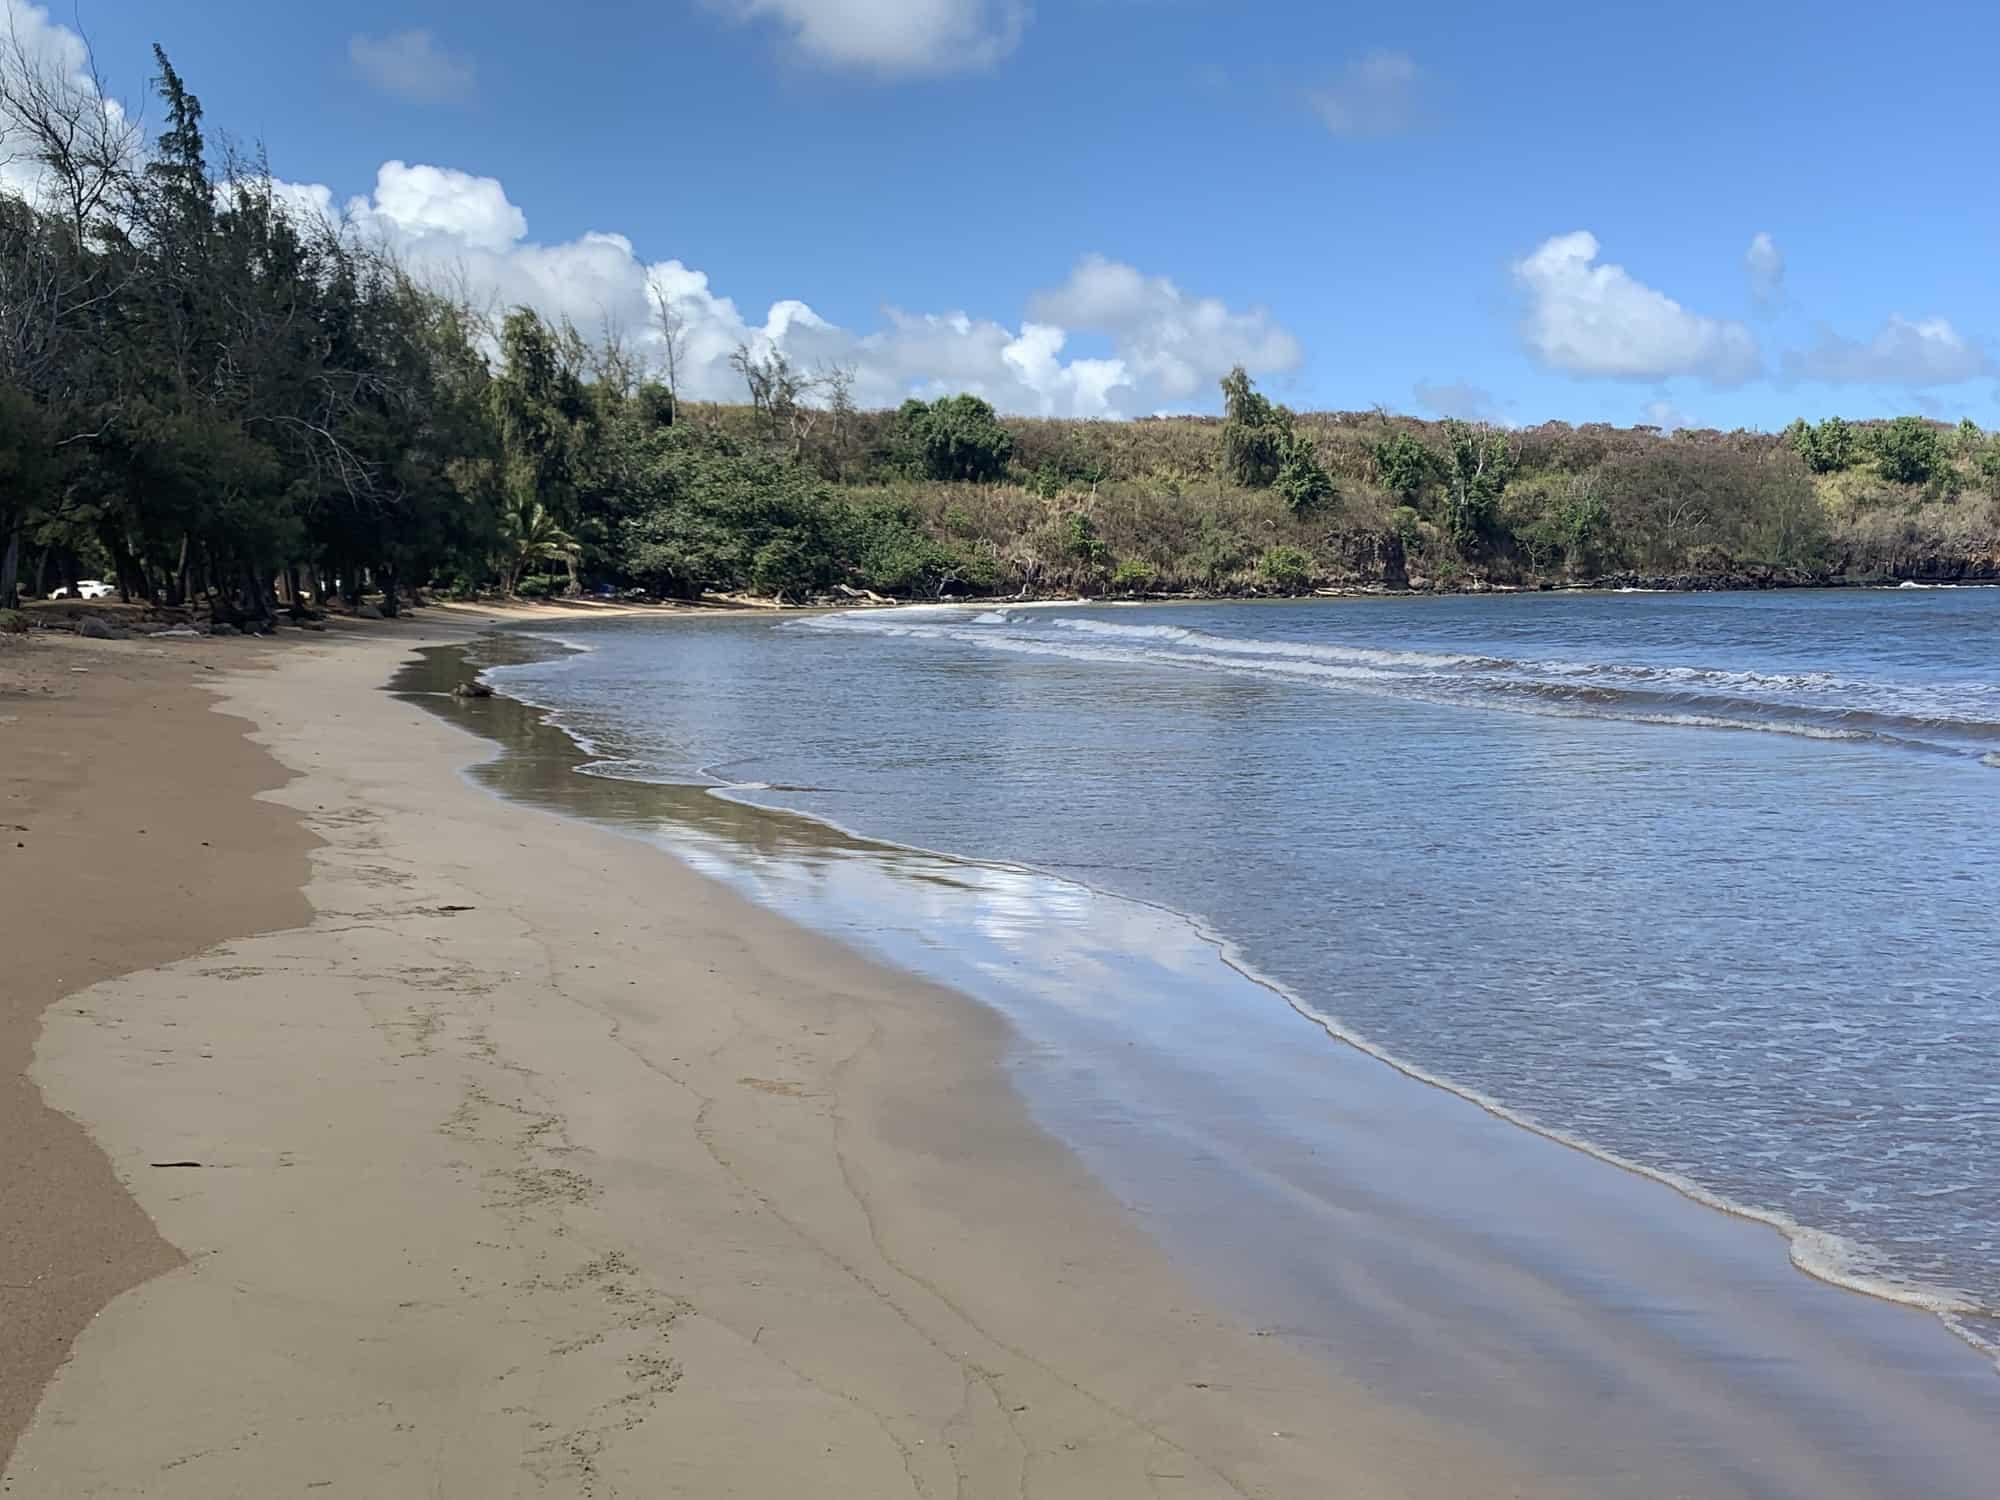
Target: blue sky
(1367, 204)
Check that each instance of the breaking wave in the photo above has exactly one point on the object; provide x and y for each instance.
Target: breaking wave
(1948, 718)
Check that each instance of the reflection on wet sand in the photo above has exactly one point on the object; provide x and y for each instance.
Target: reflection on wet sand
(1589, 1318)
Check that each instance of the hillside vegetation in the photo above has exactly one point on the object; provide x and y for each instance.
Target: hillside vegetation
(206, 399)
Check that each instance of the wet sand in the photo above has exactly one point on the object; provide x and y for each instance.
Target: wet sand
(519, 1158)
(1592, 1320)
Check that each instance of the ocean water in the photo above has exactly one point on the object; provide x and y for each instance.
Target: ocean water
(1703, 885)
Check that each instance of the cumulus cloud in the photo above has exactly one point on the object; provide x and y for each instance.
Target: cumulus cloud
(36, 45)
(1664, 415)
(1460, 399)
(419, 204)
(409, 65)
(1764, 264)
(1903, 351)
(1588, 318)
(1378, 95)
(1168, 348)
(890, 36)
(1176, 345)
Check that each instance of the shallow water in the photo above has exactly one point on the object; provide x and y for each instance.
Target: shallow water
(1702, 884)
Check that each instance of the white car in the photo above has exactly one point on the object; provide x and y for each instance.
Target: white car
(90, 588)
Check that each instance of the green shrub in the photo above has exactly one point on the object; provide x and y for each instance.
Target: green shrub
(1081, 541)
(785, 565)
(953, 438)
(1301, 478)
(1286, 568)
(13, 622)
(1133, 576)
(913, 564)
(1405, 466)
(1219, 550)
(538, 586)
(1828, 448)
(1070, 469)
(1908, 451)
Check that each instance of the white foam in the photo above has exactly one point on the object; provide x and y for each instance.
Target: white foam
(1757, 726)
(1236, 646)
(1819, 1253)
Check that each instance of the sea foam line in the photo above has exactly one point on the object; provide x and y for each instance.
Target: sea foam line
(1484, 684)
(1824, 1255)
(1821, 1254)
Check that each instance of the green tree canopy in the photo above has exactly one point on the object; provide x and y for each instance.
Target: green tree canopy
(1256, 435)
(1405, 466)
(954, 438)
(1827, 448)
(1478, 462)
(1909, 451)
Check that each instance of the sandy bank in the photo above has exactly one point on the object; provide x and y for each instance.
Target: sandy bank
(525, 1160)
(129, 837)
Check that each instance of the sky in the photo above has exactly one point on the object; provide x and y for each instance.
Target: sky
(1708, 215)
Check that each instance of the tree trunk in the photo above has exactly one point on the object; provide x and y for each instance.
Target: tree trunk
(387, 577)
(121, 566)
(257, 596)
(179, 589)
(10, 571)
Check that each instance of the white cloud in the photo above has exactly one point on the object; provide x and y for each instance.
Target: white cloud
(1664, 415)
(1591, 319)
(409, 65)
(1375, 96)
(1460, 399)
(1764, 263)
(891, 36)
(41, 38)
(420, 203)
(31, 40)
(1167, 348)
(1920, 352)
(1180, 345)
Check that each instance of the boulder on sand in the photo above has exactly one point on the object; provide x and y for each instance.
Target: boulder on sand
(92, 628)
(472, 690)
(368, 612)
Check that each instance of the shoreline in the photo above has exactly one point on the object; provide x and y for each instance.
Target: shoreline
(1943, 1304)
(526, 611)
(572, 1163)
(1822, 1255)
(1738, 1238)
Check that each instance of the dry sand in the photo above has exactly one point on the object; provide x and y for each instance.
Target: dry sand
(519, 1159)
(106, 866)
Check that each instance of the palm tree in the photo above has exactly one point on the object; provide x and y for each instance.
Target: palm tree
(534, 535)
